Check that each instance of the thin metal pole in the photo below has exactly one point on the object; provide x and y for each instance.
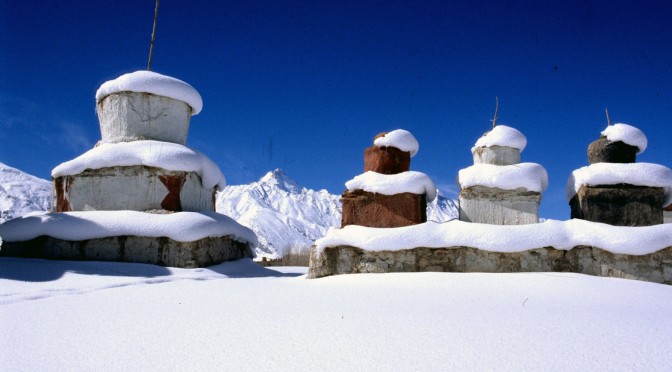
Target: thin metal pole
(151, 46)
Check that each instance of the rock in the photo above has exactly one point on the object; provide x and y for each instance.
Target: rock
(619, 205)
(386, 160)
(495, 206)
(604, 151)
(160, 251)
(377, 210)
(655, 267)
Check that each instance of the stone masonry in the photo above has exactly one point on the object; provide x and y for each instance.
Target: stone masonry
(655, 267)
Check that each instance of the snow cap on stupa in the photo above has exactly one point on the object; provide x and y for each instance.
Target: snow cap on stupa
(504, 136)
(627, 134)
(401, 139)
(154, 83)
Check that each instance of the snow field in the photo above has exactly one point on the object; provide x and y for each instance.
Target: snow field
(83, 316)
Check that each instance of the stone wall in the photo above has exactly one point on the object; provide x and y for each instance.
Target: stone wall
(160, 251)
(619, 205)
(138, 188)
(655, 267)
(132, 116)
(377, 210)
(495, 206)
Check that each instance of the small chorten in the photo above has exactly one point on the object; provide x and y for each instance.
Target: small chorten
(498, 189)
(388, 194)
(616, 190)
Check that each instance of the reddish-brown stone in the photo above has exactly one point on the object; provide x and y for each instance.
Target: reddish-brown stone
(174, 185)
(386, 160)
(668, 208)
(62, 186)
(377, 210)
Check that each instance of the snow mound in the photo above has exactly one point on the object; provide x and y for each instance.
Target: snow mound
(562, 235)
(390, 184)
(182, 226)
(401, 139)
(166, 155)
(151, 82)
(529, 176)
(626, 134)
(638, 174)
(501, 135)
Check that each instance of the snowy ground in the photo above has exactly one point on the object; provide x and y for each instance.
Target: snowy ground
(59, 315)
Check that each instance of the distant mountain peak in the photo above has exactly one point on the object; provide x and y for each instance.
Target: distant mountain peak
(278, 179)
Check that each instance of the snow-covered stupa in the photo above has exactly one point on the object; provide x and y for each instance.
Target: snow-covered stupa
(388, 194)
(498, 189)
(614, 189)
(140, 194)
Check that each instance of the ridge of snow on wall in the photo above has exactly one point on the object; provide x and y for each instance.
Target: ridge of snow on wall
(165, 155)
(626, 134)
(391, 184)
(638, 174)
(399, 138)
(182, 226)
(563, 235)
(501, 135)
(530, 176)
(154, 83)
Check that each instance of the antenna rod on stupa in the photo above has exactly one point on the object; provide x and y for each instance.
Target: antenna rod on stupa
(607, 112)
(494, 119)
(151, 46)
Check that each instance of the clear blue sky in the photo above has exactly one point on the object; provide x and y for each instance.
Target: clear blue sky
(305, 85)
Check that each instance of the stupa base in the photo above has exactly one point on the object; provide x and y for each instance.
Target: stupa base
(159, 251)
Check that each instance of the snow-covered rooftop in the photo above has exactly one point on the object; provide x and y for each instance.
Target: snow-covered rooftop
(165, 155)
(182, 226)
(501, 135)
(626, 134)
(499, 238)
(399, 138)
(391, 184)
(638, 174)
(529, 176)
(154, 83)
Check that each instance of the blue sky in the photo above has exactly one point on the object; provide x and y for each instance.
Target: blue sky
(306, 85)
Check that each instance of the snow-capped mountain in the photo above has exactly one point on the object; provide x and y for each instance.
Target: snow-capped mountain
(285, 215)
(282, 214)
(21, 193)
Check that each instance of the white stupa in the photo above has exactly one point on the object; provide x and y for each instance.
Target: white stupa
(498, 189)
